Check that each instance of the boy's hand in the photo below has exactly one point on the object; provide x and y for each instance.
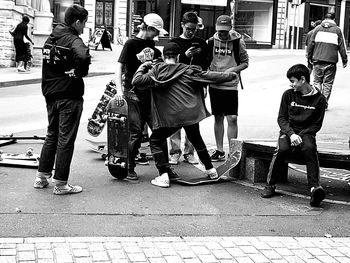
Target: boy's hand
(295, 140)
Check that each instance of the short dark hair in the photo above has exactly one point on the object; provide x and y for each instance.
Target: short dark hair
(25, 19)
(330, 15)
(297, 71)
(75, 12)
(189, 17)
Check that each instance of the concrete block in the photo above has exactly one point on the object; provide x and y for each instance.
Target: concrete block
(256, 170)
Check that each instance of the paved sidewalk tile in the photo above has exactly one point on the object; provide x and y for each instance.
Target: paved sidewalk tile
(175, 249)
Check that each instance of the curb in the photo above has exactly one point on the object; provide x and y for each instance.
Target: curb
(38, 80)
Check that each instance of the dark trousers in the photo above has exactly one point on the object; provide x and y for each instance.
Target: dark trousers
(160, 154)
(139, 114)
(64, 118)
(307, 150)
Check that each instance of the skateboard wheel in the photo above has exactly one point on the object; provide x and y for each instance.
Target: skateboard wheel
(106, 163)
(122, 165)
(29, 151)
(123, 119)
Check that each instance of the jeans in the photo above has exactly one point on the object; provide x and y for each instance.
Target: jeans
(159, 150)
(324, 74)
(64, 118)
(175, 144)
(307, 150)
(139, 114)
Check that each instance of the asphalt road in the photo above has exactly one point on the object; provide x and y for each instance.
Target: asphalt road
(109, 207)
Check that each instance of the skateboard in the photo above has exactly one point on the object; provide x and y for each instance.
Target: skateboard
(29, 159)
(117, 138)
(234, 157)
(99, 117)
(99, 147)
(10, 139)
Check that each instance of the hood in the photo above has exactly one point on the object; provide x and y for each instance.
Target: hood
(165, 73)
(233, 36)
(328, 23)
(62, 30)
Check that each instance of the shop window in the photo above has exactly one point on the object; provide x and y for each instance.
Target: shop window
(253, 20)
(139, 8)
(58, 7)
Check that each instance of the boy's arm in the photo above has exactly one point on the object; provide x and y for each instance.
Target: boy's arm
(210, 77)
(142, 76)
(283, 116)
(319, 116)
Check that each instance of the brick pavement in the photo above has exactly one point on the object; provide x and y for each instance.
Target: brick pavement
(175, 249)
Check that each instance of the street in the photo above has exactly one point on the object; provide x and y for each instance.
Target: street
(108, 207)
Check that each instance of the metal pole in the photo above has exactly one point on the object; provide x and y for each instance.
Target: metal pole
(293, 31)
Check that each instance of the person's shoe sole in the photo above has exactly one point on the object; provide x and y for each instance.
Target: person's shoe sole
(218, 160)
(160, 185)
(317, 196)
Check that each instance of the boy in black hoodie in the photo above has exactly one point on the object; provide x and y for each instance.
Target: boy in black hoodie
(300, 118)
(66, 61)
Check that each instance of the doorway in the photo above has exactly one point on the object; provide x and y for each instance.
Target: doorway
(104, 15)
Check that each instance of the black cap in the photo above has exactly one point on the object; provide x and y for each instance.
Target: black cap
(171, 48)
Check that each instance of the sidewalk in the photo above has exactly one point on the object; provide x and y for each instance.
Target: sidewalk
(175, 249)
(103, 62)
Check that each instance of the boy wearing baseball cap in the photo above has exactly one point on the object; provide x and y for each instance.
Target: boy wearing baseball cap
(137, 50)
(227, 54)
(177, 103)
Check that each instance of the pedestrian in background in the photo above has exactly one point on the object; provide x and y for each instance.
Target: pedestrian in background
(177, 102)
(326, 41)
(193, 51)
(66, 61)
(135, 51)
(308, 39)
(18, 34)
(300, 117)
(227, 53)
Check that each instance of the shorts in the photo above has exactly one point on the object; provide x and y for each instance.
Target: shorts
(223, 102)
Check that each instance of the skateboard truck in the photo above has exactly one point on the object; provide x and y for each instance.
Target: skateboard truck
(115, 162)
(119, 119)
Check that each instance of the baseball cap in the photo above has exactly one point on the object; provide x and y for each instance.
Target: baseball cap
(223, 23)
(155, 21)
(171, 48)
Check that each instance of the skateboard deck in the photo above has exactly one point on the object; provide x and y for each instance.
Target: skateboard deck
(29, 159)
(99, 117)
(234, 157)
(10, 139)
(99, 147)
(117, 138)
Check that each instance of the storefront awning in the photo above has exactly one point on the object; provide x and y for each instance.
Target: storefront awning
(205, 2)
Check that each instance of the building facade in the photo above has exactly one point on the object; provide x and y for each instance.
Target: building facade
(262, 23)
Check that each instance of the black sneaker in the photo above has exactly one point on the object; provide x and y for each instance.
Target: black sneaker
(132, 175)
(141, 159)
(269, 191)
(218, 156)
(173, 176)
(317, 195)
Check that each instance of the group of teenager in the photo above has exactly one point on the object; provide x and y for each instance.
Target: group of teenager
(168, 94)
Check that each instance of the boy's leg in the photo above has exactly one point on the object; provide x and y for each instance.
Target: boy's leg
(309, 151)
(157, 139)
(219, 132)
(231, 113)
(278, 158)
(329, 76)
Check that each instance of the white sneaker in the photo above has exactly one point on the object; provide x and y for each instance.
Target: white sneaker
(174, 158)
(40, 183)
(189, 158)
(212, 173)
(67, 189)
(21, 69)
(161, 181)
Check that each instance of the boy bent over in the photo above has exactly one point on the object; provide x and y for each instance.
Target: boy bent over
(300, 117)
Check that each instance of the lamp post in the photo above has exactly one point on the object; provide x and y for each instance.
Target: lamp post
(295, 4)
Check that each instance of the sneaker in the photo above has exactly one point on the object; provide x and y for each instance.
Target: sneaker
(212, 173)
(67, 189)
(21, 69)
(218, 156)
(141, 159)
(174, 158)
(161, 181)
(189, 158)
(40, 183)
(132, 175)
(317, 195)
(269, 191)
(173, 176)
